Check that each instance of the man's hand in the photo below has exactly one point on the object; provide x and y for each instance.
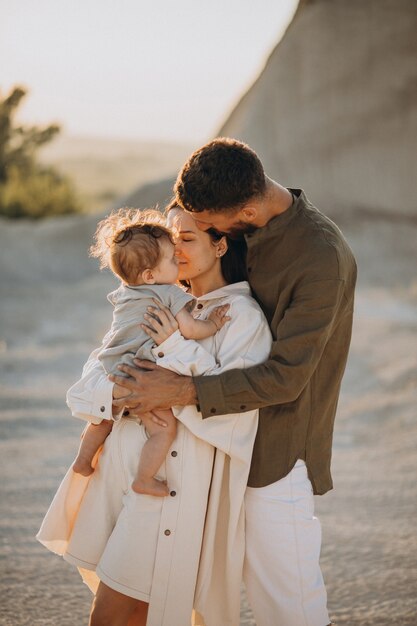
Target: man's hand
(120, 392)
(155, 388)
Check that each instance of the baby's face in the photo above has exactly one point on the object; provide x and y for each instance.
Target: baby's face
(166, 272)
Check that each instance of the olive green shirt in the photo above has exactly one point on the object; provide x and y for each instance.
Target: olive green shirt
(302, 273)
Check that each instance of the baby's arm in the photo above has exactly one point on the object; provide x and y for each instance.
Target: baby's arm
(191, 328)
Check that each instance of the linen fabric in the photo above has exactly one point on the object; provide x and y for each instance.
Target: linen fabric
(303, 274)
(126, 339)
(283, 538)
(150, 548)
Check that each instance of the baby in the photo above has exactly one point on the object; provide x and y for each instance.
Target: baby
(138, 248)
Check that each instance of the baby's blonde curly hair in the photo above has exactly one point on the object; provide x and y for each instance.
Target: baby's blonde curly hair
(127, 242)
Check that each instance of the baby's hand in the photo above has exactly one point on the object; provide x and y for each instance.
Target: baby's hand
(218, 316)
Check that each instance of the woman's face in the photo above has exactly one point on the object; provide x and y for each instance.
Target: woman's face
(195, 250)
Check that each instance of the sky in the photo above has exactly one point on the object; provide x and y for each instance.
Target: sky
(140, 69)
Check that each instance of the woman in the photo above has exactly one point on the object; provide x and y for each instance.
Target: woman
(150, 560)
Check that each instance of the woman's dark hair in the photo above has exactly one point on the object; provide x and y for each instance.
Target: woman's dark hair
(223, 175)
(233, 262)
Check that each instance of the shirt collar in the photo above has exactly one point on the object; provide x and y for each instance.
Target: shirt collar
(235, 289)
(278, 221)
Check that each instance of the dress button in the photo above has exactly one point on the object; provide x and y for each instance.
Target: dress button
(199, 306)
(102, 409)
(126, 413)
(174, 453)
(160, 354)
(173, 493)
(212, 410)
(167, 532)
(242, 407)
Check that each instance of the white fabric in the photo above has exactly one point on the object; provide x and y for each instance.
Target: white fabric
(90, 519)
(91, 397)
(282, 573)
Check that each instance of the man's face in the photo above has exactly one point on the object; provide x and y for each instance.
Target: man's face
(232, 223)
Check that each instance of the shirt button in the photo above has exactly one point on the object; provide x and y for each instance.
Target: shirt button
(126, 413)
(174, 453)
(242, 407)
(199, 306)
(167, 532)
(102, 409)
(173, 493)
(160, 354)
(249, 269)
(212, 410)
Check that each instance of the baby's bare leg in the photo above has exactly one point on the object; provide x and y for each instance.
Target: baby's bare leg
(152, 456)
(93, 438)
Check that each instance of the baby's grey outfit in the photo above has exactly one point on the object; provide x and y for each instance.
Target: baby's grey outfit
(126, 339)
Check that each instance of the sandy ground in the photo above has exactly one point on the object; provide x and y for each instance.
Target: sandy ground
(369, 556)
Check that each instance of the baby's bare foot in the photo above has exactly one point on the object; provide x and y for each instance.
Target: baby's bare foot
(82, 466)
(151, 487)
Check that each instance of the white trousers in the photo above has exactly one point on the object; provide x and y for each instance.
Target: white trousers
(282, 573)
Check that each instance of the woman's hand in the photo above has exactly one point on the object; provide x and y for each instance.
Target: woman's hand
(161, 323)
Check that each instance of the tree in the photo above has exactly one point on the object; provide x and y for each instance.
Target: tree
(27, 188)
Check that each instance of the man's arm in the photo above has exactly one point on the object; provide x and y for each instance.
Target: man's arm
(245, 340)
(301, 337)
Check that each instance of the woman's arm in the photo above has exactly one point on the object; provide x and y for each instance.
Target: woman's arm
(91, 397)
(242, 342)
(192, 328)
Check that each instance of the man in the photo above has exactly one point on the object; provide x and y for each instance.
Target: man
(303, 274)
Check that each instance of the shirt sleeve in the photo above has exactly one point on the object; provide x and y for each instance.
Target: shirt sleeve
(91, 397)
(178, 299)
(243, 341)
(301, 337)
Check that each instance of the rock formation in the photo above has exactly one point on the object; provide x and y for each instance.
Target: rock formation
(335, 108)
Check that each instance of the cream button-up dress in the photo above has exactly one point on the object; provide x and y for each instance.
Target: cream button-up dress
(185, 551)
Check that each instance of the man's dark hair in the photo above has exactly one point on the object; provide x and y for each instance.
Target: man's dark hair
(223, 174)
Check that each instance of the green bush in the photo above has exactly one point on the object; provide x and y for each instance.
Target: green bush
(40, 193)
(28, 189)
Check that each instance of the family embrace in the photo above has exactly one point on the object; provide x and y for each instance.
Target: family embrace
(210, 405)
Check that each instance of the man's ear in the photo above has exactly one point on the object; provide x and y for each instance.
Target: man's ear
(221, 247)
(249, 214)
(148, 277)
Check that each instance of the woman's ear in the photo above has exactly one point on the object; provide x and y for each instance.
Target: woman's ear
(148, 277)
(221, 247)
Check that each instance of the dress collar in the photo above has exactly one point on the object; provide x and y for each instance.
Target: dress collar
(235, 289)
